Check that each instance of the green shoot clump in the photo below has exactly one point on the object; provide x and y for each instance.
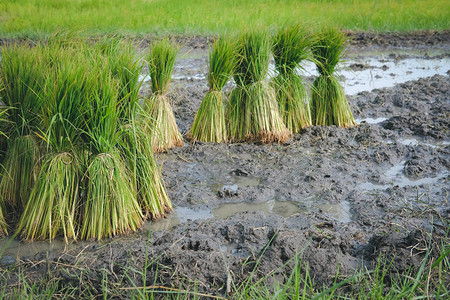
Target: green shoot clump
(209, 122)
(111, 205)
(51, 206)
(329, 106)
(252, 112)
(20, 93)
(147, 177)
(3, 121)
(126, 69)
(164, 129)
(290, 46)
(70, 171)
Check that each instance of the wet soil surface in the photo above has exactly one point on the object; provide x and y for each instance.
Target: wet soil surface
(337, 197)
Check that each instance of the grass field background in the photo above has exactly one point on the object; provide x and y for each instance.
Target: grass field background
(29, 18)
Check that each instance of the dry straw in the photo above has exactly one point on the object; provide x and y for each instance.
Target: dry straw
(164, 129)
(252, 111)
(209, 122)
(290, 46)
(329, 106)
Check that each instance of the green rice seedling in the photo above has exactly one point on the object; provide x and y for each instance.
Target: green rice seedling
(19, 170)
(252, 111)
(111, 206)
(209, 122)
(126, 66)
(53, 200)
(148, 180)
(22, 74)
(164, 131)
(290, 46)
(329, 106)
(3, 225)
(51, 208)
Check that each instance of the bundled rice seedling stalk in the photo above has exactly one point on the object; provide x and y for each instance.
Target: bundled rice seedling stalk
(164, 130)
(111, 205)
(329, 106)
(22, 75)
(252, 111)
(290, 46)
(54, 198)
(3, 224)
(126, 67)
(148, 179)
(90, 182)
(209, 122)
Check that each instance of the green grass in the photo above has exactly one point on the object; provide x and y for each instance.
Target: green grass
(430, 280)
(139, 17)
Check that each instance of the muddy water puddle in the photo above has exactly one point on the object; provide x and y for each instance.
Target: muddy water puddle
(238, 182)
(11, 250)
(396, 177)
(370, 120)
(364, 72)
(180, 215)
(390, 72)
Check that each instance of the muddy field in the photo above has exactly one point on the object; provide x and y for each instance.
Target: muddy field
(337, 197)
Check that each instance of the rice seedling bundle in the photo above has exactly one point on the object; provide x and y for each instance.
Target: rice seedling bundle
(329, 106)
(136, 144)
(3, 225)
(209, 122)
(147, 177)
(290, 46)
(125, 68)
(111, 205)
(252, 112)
(20, 93)
(89, 183)
(164, 129)
(51, 207)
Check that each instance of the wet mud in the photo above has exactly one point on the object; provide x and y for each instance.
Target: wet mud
(336, 197)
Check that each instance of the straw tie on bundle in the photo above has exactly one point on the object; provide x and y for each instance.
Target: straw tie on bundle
(164, 131)
(329, 106)
(252, 111)
(209, 122)
(290, 46)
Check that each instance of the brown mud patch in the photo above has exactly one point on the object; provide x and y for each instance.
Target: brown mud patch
(337, 197)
